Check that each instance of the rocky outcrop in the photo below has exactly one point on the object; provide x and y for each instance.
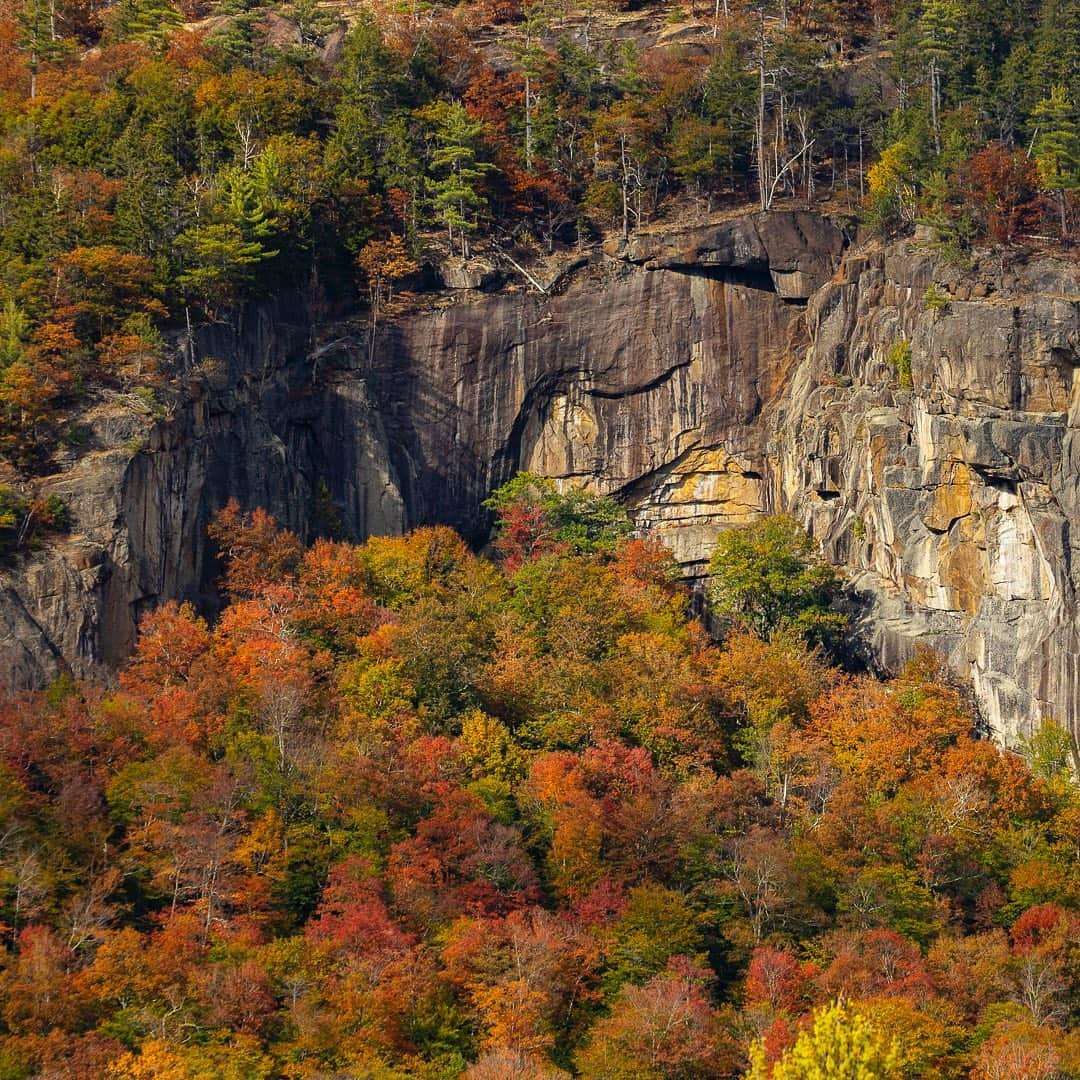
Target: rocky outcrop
(640, 378)
(254, 420)
(796, 250)
(929, 440)
(702, 375)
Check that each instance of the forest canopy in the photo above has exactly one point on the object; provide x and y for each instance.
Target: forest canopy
(403, 811)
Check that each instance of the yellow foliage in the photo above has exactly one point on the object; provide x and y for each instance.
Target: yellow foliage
(158, 1061)
(889, 171)
(840, 1044)
(489, 749)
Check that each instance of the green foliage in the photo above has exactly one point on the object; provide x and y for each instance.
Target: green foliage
(13, 509)
(1057, 141)
(899, 359)
(657, 925)
(935, 299)
(23, 520)
(144, 20)
(459, 168)
(221, 259)
(14, 333)
(770, 576)
(1050, 751)
(583, 522)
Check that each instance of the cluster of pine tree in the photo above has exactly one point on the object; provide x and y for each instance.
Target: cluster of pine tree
(159, 164)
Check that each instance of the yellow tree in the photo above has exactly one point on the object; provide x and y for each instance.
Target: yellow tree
(840, 1044)
(383, 263)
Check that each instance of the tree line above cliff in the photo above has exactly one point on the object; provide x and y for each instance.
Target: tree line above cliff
(408, 812)
(160, 163)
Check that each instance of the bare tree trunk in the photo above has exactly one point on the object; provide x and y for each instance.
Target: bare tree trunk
(934, 105)
(862, 193)
(528, 123)
(762, 179)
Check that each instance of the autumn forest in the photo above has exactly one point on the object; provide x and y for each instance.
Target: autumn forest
(160, 164)
(402, 808)
(405, 811)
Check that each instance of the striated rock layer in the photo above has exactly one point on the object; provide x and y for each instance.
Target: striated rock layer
(703, 375)
(950, 491)
(251, 422)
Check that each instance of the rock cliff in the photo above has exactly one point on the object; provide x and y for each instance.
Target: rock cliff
(252, 419)
(702, 375)
(929, 439)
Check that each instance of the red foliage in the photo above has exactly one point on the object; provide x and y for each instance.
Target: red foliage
(352, 916)
(256, 550)
(875, 963)
(527, 533)
(1003, 184)
(1042, 925)
(777, 979)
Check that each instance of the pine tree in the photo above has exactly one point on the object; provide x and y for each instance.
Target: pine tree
(145, 20)
(939, 36)
(223, 254)
(1057, 147)
(456, 194)
(531, 57)
(1056, 55)
(369, 87)
(37, 36)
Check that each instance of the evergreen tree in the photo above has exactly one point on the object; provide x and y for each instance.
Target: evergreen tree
(402, 172)
(37, 36)
(1057, 147)
(145, 20)
(149, 212)
(223, 254)
(460, 171)
(1056, 55)
(940, 28)
(530, 55)
(368, 87)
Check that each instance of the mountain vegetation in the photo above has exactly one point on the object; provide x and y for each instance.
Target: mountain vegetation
(406, 811)
(403, 811)
(160, 164)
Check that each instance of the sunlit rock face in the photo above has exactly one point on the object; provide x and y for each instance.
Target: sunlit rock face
(950, 493)
(703, 376)
(648, 377)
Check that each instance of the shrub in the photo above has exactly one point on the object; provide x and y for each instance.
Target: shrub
(899, 357)
(770, 576)
(935, 299)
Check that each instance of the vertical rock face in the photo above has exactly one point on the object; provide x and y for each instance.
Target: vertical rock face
(649, 382)
(931, 446)
(251, 423)
(703, 376)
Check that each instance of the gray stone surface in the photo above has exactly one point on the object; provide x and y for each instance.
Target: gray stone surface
(260, 419)
(957, 496)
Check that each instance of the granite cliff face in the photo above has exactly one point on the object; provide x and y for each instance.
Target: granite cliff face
(251, 420)
(933, 448)
(702, 375)
(648, 377)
